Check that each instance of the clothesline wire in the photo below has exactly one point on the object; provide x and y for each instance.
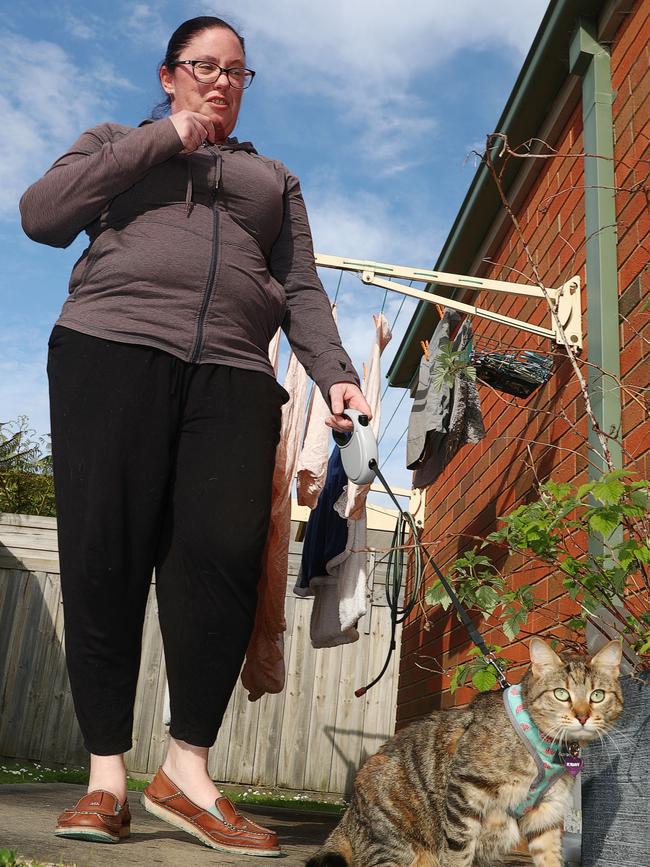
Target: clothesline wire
(383, 303)
(396, 444)
(392, 328)
(405, 392)
(404, 297)
(338, 286)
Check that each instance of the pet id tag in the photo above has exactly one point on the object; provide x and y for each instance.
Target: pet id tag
(573, 764)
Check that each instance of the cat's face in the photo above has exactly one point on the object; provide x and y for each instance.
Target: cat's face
(573, 698)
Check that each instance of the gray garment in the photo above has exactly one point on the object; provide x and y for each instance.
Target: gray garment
(431, 408)
(203, 255)
(442, 420)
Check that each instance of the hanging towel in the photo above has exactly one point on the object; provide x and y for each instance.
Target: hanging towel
(356, 494)
(341, 595)
(264, 669)
(312, 463)
(341, 592)
(442, 419)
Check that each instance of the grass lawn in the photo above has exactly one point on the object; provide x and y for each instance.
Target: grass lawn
(35, 772)
(9, 858)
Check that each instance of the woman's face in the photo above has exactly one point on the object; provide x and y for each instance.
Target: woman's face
(219, 101)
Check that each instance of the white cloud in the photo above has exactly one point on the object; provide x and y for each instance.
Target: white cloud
(367, 226)
(145, 24)
(47, 100)
(368, 57)
(87, 27)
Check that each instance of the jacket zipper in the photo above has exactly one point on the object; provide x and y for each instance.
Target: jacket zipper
(209, 287)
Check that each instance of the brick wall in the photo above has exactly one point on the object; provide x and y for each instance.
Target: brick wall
(488, 479)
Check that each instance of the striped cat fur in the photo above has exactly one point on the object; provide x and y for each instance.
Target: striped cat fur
(440, 792)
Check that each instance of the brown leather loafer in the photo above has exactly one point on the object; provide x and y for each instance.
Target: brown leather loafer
(98, 816)
(232, 833)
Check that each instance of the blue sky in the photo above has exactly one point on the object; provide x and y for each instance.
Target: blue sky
(375, 105)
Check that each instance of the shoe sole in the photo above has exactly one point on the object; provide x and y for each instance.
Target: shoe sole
(95, 836)
(185, 825)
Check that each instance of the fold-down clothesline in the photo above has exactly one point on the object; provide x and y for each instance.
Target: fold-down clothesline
(566, 298)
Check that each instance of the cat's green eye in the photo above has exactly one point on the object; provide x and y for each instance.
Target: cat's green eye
(597, 695)
(562, 694)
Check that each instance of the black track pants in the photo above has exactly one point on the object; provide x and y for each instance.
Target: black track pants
(157, 463)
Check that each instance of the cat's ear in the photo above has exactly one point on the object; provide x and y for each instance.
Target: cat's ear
(543, 658)
(608, 658)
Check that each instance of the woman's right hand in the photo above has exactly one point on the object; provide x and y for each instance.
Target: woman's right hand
(193, 129)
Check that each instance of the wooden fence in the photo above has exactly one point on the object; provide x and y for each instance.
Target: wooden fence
(312, 736)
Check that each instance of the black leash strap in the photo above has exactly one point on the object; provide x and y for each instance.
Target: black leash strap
(487, 655)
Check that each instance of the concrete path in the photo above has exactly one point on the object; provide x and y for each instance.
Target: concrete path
(28, 813)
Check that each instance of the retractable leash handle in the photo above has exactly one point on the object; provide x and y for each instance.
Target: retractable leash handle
(358, 448)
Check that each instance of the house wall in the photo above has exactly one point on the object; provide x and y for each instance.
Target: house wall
(542, 436)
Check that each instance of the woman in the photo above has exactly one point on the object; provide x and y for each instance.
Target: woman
(166, 415)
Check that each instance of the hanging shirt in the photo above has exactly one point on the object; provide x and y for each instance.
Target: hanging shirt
(264, 669)
(327, 531)
(312, 463)
(442, 418)
(356, 494)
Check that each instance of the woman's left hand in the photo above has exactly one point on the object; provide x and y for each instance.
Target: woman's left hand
(343, 395)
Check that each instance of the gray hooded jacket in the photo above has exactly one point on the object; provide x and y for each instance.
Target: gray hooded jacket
(204, 255)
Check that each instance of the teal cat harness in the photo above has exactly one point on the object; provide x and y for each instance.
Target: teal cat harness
(550, 765)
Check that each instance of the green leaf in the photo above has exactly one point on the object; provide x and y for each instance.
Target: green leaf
(585, 489)
(577, 623)
(487, 599)
(559, 491)
(485, 679)
(512, 625)
(437, 595)
(643, 554)
(604, 521)
(609, 492)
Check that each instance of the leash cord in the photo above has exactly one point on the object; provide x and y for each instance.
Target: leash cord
(394, 572)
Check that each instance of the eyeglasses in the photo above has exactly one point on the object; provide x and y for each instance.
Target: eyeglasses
(206, 72)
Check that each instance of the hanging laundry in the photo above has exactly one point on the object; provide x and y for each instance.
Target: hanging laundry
(356, 494)
(264, 669)
(340, 588)
(443, 417)
(327, 531)
(329, 571)
(312, 463)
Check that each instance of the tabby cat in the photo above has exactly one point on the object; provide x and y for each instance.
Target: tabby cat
(458, 788)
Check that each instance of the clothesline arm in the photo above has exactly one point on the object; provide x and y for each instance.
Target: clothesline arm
(566, 297)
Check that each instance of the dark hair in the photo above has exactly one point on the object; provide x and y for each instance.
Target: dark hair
(180, 39)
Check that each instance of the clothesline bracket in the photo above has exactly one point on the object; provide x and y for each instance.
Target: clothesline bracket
(566, 298)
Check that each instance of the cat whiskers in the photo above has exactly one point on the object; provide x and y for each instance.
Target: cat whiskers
(557, 733)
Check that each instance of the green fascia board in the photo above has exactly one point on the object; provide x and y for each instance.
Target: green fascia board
(542, 76)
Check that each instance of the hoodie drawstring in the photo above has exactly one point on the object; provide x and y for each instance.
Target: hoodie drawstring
(189, 204)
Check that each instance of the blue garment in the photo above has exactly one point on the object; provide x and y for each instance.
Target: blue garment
(327, 532)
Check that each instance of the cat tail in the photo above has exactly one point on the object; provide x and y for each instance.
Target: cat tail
(336, 851)
(328, 858)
